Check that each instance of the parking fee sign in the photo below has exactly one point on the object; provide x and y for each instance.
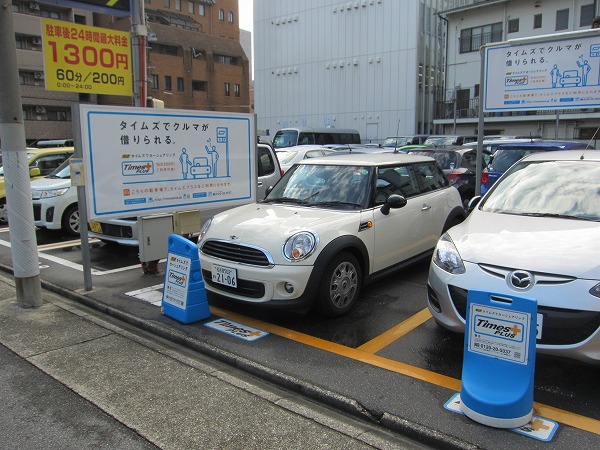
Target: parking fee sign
(79, 58)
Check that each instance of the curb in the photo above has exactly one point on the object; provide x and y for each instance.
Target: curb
(418, 432)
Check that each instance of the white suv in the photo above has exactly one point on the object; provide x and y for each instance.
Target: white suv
(327, 227)
(55, 201)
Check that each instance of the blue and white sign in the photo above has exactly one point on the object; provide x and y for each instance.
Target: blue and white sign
(141, 161)
(554, 72)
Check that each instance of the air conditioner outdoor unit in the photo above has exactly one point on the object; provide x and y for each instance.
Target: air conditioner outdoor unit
(33, 5)
(38, 75)
(36, 40)
(40, 109)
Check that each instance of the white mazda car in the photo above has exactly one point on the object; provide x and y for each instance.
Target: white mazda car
(536, 234)
(328, 226)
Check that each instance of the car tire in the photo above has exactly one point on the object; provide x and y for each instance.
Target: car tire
(3, 212)
(340, 286)
(70, 221)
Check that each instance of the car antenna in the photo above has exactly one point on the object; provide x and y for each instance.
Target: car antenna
(590, 141)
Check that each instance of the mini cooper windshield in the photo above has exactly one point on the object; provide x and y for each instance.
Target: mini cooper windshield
(561, 189)
(330, 186)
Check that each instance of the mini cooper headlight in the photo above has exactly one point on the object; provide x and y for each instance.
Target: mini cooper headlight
(446, 256)
(204, 229)
(299, 246)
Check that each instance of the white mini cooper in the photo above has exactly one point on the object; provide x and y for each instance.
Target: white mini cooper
(328, 226)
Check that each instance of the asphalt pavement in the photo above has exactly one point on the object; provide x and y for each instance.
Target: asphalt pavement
(160, 382)
(73, 378)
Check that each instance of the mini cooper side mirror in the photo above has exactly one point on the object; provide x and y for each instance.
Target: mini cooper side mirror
(393, 201)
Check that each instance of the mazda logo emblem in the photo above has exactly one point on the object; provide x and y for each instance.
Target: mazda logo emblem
(520, 279)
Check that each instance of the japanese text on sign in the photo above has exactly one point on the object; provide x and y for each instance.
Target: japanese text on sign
(79, 58)
(558, 74)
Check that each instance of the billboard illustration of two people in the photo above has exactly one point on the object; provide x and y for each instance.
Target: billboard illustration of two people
(200, 167)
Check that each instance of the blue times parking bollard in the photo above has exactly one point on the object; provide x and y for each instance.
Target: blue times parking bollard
(184, 295)
(499, 359)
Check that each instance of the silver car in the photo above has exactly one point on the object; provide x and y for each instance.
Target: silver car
(536, 234)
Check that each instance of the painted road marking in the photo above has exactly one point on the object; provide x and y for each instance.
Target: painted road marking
(70, 264)
(236, 329)
(538, 427)
(367, 357)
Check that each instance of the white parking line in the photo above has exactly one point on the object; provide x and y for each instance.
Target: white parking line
(70, 264)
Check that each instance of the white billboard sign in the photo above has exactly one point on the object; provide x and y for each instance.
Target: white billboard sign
(560, 72)
(140, 161)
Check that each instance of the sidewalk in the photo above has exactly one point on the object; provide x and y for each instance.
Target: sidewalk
(72, 378)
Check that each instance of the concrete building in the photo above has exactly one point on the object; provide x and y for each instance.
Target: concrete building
(194, 60)
(472, 23)
(370, 65)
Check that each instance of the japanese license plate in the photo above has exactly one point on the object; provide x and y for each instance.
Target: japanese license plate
(540, 321)
(95, 227)
(224, 275)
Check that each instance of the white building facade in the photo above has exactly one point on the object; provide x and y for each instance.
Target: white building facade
(371, 65)
(471, 24)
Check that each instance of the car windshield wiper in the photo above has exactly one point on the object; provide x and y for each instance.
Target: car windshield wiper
(284, 200)
(560, 216)
(335, 203)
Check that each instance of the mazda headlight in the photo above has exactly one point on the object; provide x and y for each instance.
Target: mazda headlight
(53, 193)
(446, 256)
(299, 246)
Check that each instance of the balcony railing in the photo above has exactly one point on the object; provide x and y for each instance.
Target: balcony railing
(470, 110)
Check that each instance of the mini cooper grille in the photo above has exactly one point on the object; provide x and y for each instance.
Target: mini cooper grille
(235, 252)
(560, 326)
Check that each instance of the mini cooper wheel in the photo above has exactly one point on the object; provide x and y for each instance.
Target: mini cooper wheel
(339, 286)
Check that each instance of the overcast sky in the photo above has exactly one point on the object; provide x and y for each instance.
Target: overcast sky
(245, 12)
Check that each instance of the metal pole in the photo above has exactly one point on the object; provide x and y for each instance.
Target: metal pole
(17, 183)
(478, 166)
(139, 34)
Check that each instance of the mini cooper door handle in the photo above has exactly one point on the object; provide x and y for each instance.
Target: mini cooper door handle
(425, 207)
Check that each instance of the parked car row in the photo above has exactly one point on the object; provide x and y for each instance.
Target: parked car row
(339, 221)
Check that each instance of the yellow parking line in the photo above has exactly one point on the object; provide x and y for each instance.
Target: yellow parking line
(385, 339)
(548, 412)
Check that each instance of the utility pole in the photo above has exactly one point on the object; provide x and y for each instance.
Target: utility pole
(23, 240)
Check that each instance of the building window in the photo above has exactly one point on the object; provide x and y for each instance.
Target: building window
(227, 90)
(191, 7)
(167, 3)
(79, 19)
(178, 5)
(513, 25)
(168, 86)
(153, 81)
(200, 86)
(180, 84)
(49, 14)
(224, 59)
(471, 39)
(230, 17)
(537, 21)
(201, 10)
(587, 15)
(58, 114)
(562, 19)
(164, 49)
(236, 90)
(221, 14)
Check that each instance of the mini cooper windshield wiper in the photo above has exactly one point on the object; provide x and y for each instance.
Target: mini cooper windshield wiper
(336, 203)
(284, 200)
